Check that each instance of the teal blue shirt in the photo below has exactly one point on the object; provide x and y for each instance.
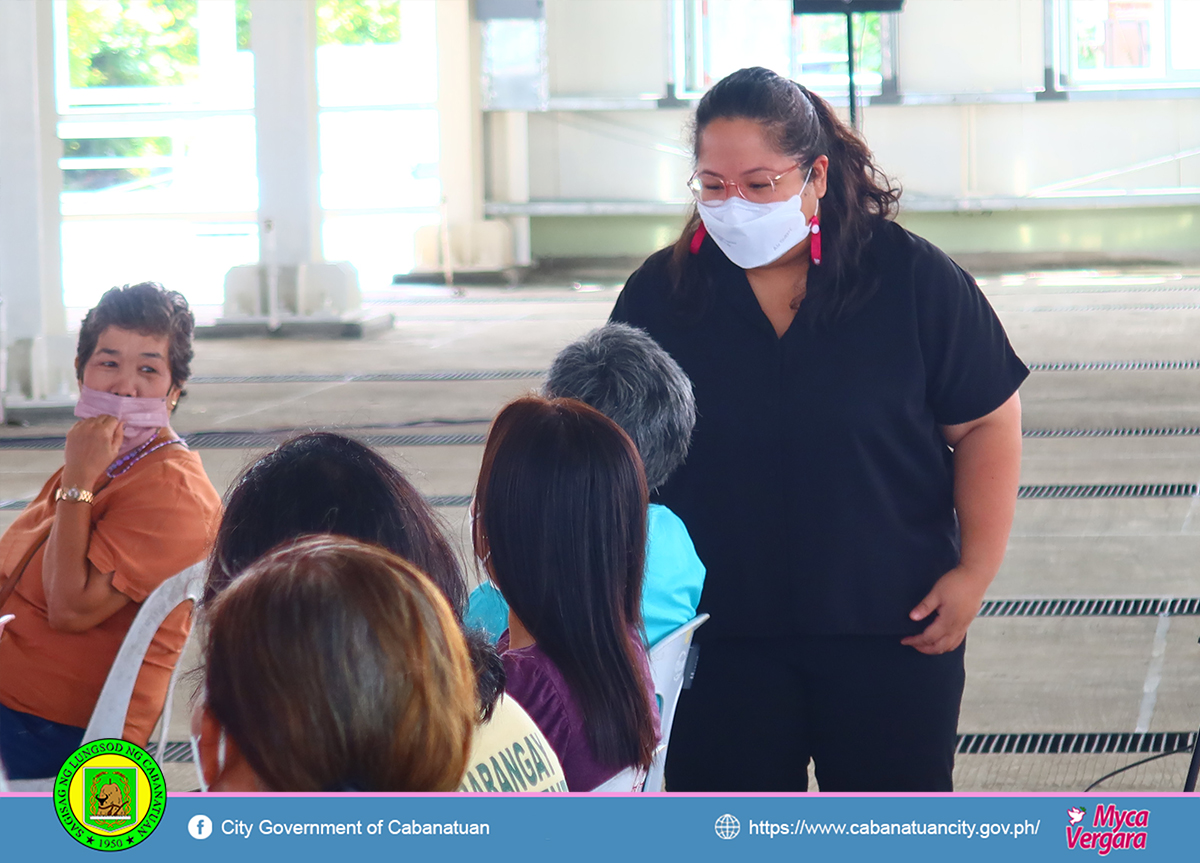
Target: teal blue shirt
(670, 590)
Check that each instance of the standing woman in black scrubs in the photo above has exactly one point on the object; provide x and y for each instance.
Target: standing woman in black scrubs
(854, 466)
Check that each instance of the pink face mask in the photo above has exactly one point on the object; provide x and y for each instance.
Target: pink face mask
(142, 417)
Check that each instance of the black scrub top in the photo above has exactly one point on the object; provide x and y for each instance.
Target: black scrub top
(818, 490)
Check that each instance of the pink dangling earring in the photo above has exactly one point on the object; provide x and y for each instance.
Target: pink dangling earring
(814, 228)
(698, 239)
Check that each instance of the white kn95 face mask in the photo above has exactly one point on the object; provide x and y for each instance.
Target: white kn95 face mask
(753, 235)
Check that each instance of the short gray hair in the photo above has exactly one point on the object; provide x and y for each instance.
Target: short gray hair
(623, 373)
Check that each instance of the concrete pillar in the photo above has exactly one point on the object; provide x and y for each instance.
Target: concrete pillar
(283, 36)
(40, 359)
(460, 115)
(217, 31)
(508, 155)
(292, 283)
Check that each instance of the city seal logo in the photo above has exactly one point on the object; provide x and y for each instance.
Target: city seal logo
(110, 795)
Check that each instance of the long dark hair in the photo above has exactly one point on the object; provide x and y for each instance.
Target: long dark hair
(336, 665)
(803, 126)
(561, 519)
(325, 483)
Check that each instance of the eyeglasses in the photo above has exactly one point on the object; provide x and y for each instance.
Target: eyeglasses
(758, 187)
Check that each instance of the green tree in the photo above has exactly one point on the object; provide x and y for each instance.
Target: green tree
(131, 43)
(242, 13)
(827, 34)
(358, 22)
(102, 178)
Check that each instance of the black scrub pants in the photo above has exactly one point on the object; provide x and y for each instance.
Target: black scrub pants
(872, 714)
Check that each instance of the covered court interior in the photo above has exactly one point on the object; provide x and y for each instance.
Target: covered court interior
(1066, 182)
(1110, 506)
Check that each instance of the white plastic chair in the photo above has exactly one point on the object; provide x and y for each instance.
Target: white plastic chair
(108, 717)
(668, 661)
(629, 779)
(4, 776)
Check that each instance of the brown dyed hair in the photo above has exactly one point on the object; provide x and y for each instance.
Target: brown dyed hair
(337, 666)
(147, 308)
(560, 512)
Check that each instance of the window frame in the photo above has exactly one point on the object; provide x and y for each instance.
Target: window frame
(1161, 75)
(690, 51)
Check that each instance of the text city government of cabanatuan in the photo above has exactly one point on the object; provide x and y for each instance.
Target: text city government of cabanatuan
(395, 827)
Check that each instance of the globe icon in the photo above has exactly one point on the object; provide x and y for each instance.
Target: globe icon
(728, 826)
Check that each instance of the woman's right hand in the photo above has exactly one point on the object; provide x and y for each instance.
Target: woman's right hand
(92, 445)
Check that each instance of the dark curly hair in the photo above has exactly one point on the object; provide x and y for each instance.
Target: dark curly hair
(803, 126)
(147, 308)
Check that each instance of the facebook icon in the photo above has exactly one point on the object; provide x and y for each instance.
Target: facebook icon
(200, 826)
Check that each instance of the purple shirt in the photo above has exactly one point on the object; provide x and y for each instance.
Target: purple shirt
(535, 683)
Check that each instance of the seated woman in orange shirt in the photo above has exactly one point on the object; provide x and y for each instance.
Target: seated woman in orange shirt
(130, 507)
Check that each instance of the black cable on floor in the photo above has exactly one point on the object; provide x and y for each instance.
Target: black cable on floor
(1137, 764)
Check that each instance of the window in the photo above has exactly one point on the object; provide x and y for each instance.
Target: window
(819, 53)
(514, 71)
(716, 37)
(1130, 43)
(377, 96)
(156, 105)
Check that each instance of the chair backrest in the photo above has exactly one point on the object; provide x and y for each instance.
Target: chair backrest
(668, 661)
(629, 779)
(4, 776)
(108, 717)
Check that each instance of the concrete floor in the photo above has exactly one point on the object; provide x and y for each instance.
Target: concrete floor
(1024, 674)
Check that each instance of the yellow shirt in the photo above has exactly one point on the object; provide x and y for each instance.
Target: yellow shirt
(509, 753)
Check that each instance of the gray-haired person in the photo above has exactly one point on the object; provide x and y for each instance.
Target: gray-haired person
(624, 374)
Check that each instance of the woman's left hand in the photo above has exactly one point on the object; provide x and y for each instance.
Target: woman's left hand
(987, 467)
(956, 597)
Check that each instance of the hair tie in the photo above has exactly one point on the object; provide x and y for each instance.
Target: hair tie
(698, 239)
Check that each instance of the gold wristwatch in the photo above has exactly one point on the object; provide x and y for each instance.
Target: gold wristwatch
(74, 495)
